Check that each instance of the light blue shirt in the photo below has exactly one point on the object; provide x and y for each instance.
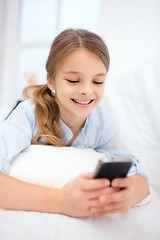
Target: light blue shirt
(98, 133)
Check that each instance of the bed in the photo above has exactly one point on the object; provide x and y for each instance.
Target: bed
(133, 98)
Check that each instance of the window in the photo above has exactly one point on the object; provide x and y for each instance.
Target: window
(37, 27)
(40, 21)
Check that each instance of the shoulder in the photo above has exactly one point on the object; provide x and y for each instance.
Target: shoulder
(27, 106)
(24, 110)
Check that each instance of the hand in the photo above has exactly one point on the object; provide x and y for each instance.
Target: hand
(127, 192)
(120, 200)
(80, 198)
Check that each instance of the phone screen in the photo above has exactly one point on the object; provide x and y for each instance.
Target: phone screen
(112, 170)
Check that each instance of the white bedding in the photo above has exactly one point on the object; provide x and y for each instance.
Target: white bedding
(139, 224)
(134, 99)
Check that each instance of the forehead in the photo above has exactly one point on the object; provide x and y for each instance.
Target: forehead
(82, 60)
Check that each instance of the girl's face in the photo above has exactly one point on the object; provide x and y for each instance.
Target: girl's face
(79, 85)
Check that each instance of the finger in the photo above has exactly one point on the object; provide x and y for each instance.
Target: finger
(117, 196)
(122, 182)
(94, 206)
(93, 184)
(97, 193)
(95, 203)
(115, 207)
(108, 208)
(111, 211)
(88, 175)
(112, 208)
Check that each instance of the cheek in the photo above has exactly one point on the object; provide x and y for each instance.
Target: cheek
(100, 92)
(68, 91)
(64, 92)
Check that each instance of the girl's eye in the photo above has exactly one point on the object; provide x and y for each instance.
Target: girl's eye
(95, 82)
(72, 81)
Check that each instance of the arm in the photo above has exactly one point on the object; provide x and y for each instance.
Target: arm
(140, 188)
(18, 195)
(76, 199)
(16, 133)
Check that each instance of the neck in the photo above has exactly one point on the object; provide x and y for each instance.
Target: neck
(75, 126)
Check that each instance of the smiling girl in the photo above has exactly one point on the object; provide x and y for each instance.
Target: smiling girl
(65, 112)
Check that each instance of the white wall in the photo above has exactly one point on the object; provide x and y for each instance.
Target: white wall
(132, 32)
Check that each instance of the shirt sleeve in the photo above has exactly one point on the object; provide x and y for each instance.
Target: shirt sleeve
(16, 133)
(115, 146)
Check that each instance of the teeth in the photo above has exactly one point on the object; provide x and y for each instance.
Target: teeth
(81, 102)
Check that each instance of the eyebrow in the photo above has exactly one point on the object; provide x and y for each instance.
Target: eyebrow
(75, 72)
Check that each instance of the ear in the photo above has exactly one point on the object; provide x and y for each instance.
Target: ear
(50, 83)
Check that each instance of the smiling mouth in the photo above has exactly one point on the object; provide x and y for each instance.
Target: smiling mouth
(82, 102)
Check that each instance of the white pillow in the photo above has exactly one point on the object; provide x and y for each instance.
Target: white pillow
(53, 166)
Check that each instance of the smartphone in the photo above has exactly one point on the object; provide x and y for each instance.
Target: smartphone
(114, 169)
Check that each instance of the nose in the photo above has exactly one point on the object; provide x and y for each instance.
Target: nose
(85, 89)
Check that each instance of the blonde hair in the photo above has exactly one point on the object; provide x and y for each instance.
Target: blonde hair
(46, 108)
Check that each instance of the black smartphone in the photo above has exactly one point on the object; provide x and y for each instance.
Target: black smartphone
(114, 169)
